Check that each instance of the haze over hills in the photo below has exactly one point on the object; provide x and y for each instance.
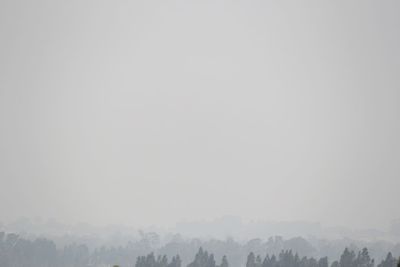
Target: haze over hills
(227, 236)
(221, 228)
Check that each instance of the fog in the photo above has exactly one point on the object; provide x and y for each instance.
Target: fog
(149, 113)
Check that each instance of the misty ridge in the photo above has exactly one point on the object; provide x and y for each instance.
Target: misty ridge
(191, 244)
(296, 252)
(220, 228)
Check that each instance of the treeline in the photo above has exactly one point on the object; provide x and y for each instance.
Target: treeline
(285, 259)
(21, 252)
(201, 259)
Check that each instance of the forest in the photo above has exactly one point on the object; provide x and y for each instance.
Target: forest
(16, 251)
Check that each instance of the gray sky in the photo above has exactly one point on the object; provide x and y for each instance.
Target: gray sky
(152, 112)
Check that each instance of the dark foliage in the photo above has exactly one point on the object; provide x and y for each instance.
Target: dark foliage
(19, 252)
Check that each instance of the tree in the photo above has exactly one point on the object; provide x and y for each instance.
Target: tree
(323, 262)
(251, 260)
(224, 262)
(363, 259)
(347, 259)
(389, 261)
(203, 259)
(175, 262)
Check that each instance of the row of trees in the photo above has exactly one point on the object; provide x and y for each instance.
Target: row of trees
(285, 259)
(20, 252)
(204, 259)
(151, 261)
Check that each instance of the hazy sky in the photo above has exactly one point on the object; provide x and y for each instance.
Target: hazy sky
(152, 112)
